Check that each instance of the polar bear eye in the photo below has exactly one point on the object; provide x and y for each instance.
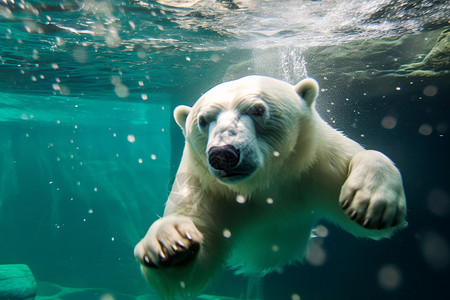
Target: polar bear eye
(258, 110)
(202, 122)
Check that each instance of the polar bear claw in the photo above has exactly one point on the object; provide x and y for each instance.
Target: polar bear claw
(172, 242)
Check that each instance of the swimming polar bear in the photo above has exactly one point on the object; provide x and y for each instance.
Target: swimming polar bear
(259, 169)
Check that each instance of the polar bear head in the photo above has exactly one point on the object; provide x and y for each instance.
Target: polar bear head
(250, 128)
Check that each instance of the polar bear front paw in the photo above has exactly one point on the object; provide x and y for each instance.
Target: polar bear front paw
(373, 193)
(171, 241)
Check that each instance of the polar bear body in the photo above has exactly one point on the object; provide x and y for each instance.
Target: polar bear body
(259, 169)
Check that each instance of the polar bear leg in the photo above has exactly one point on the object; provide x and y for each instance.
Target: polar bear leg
(373, 193)
(170, 241)
(173, 258)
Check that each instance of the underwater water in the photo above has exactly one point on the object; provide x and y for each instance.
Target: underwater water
(89, 147)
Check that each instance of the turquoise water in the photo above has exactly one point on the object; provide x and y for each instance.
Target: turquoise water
(89, 148)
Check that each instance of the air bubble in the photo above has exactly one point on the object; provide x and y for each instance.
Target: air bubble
(240, 199)
(425, 129)
(295, 297)
(64, 90)
(107, 297)
(112, 38)
(389, 277)
(131, 138)
(122, 91)
(115, 80)
(226, 233)
(269, 201)
(80, 54)
(276, 153)
(435, 250)
(6, 12)
(316, 254)
(389, 122)
(142, 54)
(215, 58)
(321, 231)
(442, 127)
(430, 90)
(56, 87)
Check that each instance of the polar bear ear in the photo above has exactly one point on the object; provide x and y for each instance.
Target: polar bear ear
(308, 89)
(180, 114)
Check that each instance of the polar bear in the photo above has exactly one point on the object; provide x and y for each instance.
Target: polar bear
(259, 169)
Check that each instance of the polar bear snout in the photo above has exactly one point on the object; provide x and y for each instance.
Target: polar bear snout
(223, 158)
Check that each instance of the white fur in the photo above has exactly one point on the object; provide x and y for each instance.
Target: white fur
(306, 169)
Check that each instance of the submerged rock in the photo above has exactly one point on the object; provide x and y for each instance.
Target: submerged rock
(413, 55)
(378, 65)
(437, 59)
(17, 282)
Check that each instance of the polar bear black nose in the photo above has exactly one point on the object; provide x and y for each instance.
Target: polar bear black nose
(224, 157)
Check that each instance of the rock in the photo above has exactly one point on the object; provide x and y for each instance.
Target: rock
(397, 56)
(438, 59)
(375, 65)
(17, 282)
